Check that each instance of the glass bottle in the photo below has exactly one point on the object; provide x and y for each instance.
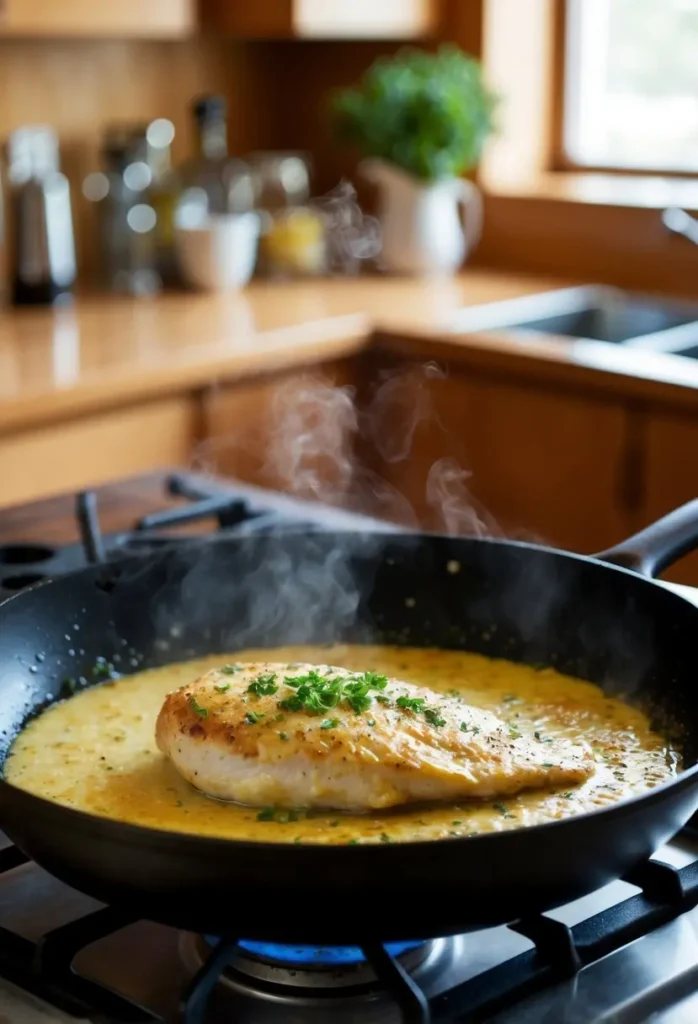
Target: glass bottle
(214, 182)
(163, 196)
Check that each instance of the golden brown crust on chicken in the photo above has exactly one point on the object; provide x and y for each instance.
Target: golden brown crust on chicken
(237, 735)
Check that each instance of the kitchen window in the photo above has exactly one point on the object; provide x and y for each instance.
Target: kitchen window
(631, 85)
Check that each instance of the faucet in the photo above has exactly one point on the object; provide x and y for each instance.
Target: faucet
(681, 223)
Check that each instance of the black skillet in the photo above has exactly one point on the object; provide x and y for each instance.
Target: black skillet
(526, 603)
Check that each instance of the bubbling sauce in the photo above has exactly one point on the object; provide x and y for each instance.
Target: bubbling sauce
(96, 751)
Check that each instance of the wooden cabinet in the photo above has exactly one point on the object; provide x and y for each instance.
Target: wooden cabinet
(293, 432)
(55, 459)
(512, 459)
(671, 476)
(323, 19)
(94, 18)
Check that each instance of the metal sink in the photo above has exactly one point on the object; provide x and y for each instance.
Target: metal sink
(592, 313)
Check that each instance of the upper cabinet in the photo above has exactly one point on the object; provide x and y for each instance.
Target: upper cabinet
(162, 19)
(323, 19)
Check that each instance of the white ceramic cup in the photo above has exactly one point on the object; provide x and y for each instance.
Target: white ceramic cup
(219, 253)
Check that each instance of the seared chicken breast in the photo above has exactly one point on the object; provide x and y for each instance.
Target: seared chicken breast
(321, 736)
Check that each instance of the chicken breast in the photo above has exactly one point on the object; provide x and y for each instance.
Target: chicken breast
(321, 736)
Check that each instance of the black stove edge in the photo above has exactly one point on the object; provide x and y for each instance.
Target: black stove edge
(44, 969)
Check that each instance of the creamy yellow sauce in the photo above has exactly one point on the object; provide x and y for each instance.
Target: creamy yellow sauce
(96, 751)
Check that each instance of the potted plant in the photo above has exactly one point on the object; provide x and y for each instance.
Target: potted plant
(421, 120)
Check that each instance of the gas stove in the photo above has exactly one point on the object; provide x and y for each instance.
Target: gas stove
(625, 954)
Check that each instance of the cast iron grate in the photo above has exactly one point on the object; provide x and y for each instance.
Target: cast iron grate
(231, 509)
(45, 968)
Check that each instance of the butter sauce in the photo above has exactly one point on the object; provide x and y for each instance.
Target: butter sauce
(96, 751)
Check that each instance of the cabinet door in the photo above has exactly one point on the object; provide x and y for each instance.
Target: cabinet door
(323, 19)
(513, 460)
(292, 432)
(671, 477)
(125, 18)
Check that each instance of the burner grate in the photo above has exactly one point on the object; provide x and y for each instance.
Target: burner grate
(235, 509)
(45, 968)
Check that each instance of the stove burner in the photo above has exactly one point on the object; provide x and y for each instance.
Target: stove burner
(316, 956)
(21, 554)
(274, 983)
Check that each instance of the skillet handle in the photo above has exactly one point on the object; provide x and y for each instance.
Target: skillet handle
(656, 547)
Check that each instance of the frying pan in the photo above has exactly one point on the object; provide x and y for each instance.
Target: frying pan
(608, 623)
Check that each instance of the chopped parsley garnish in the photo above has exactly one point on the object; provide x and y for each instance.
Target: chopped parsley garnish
(329, 723)
(252, 717)
(264, 685)
(283, 735)
(230, 670)
(411, 703)
(196, 707)
(514, 733)
(385, 838)
(281, 815)
(317, 693)
(353, 842)
(382, 699)
(371, 721)
(502, 808)
(223, 688)
(547, 764)
(434, 718)
(464, 727)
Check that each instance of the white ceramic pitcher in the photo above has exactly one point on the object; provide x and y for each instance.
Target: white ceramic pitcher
(428, 228)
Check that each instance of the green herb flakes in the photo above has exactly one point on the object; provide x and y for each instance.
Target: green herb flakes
(196, 707)
(264, 685)
(223, 688)
(329, 723)
(415, 704)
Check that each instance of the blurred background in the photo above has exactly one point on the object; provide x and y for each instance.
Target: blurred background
(432, 260)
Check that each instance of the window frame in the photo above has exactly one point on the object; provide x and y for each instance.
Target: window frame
(560, 159)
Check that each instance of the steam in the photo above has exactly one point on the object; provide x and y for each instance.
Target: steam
(457, 512)
(322, 442)
(312, 428)
(319, 443)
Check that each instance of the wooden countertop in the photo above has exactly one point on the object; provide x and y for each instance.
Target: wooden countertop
(104, 351)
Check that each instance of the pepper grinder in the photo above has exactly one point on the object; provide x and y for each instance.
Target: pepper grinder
(43, 269)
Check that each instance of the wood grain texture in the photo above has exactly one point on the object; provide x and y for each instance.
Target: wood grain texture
(79, 86)
(493, 457)
(671, 477)
(292, 433)
(105, 352)
(139, 18)
(324, 19)
(46, 461)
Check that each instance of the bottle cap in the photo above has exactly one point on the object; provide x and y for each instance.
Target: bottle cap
(210, 107)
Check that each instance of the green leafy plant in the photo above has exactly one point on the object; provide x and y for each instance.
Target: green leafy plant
(428, 113)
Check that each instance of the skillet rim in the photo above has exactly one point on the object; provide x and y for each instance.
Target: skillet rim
(156, 837)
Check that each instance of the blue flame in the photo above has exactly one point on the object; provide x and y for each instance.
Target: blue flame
(321, 956)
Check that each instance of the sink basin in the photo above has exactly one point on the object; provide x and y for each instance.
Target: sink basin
(593, 313)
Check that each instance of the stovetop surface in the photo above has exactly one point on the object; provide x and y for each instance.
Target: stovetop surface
(481, 976)
(625, 954)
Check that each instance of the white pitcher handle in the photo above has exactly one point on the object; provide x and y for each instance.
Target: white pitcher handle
(470, 199)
